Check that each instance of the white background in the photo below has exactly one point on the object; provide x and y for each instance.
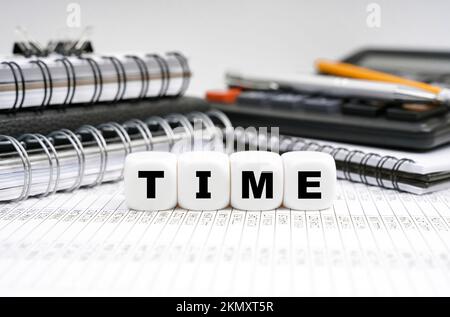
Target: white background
(250, 34)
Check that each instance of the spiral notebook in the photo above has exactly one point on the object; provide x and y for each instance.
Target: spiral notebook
(90, 78)
(34, 164)
(416, 173)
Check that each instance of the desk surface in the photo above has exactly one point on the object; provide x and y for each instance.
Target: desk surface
(372, 242)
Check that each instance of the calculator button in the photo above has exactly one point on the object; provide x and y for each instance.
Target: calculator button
(228, 96)
(364, 108)
(322, 104)
(415, 111)
(254, 98)
(287, 101)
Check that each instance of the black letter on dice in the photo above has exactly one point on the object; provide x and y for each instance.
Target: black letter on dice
(151, 184)
(203, 184)
(248, 178)
(303, 185)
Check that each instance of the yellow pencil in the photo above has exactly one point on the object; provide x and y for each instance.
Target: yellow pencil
(349, 70)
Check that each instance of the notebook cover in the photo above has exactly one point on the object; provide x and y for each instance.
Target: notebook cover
(74, 116)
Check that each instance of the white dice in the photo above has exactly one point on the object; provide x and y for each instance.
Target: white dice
(249, 180)
(256, 180)
(309, 180)
(151, 180)
(203, 180)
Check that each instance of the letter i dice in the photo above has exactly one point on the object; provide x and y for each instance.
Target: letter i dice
(203, 180)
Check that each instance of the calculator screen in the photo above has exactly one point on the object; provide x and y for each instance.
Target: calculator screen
(407, 64)
(427, 66)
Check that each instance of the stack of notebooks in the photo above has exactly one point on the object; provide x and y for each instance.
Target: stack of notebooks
(69, 121)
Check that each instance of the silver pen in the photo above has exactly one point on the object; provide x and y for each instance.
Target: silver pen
(330, 86)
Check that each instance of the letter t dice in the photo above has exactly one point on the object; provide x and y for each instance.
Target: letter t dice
(151, 180)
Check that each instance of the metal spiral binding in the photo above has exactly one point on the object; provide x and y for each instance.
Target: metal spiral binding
(98, 78)
(50, 81)
(27, 174)
(226, 124)
(298, 144)
(46, 75)
(185, 123)
(187, 126)
(347, 163)
(44, 78)
(310, 145)
(379, 167)
(166, 65)
(213, 133)
(165, 126)
(334, 153)
(71, 79)
(286, 144)
(52, 155)
(78, 147)
(204, 119)
(144, 131)
(121, 77)
(12, 66)
(186, 71)
(123, 136)
(145, 77)
(46, 143)
(101, 143)
(325, 146)
(165, 74)
(124, 77)
(395, 170)
(16, 83)
(55, 157)
(363, 164)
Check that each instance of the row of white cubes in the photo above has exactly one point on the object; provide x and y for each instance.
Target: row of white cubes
(249, 180)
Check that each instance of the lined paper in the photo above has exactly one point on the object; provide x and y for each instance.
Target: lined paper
(372, 242)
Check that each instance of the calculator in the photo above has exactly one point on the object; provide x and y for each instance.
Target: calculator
(406, 126)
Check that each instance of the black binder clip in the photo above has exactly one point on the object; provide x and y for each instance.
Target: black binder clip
(71, 48)
(64, 48)
(29, 49)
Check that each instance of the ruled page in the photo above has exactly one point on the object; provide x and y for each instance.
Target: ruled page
(372, 242)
